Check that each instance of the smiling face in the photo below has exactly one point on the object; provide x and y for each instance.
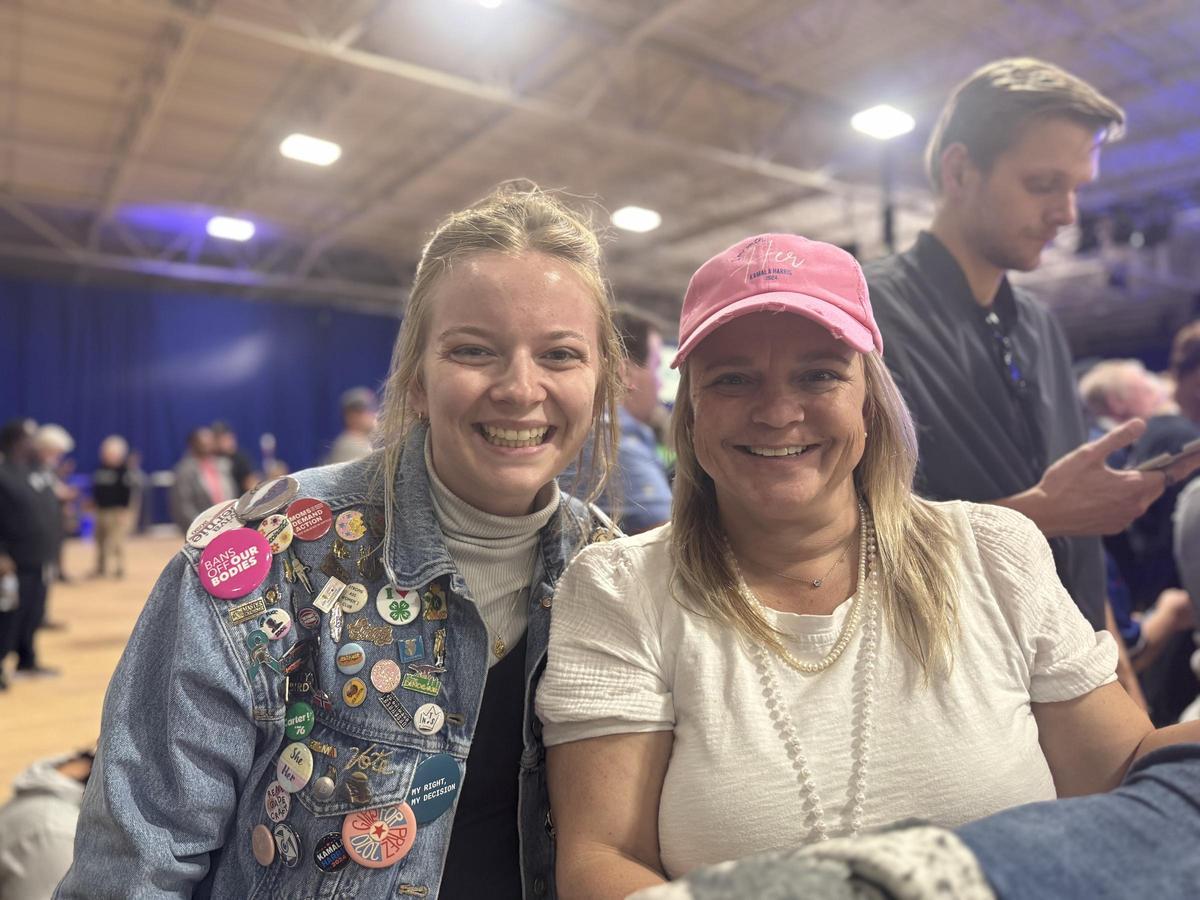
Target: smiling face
(508, 377)
(778, 405)
(1014, 209)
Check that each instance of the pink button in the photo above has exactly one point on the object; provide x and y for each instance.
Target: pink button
(235, 563)
(377, 838)
(310, 518)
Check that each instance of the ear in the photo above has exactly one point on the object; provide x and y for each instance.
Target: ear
(957, 171)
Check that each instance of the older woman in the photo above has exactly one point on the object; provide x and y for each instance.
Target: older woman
(314, 675)
(809, 649)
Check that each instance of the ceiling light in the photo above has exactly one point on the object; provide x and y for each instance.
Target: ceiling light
(310, 149)
(883, 122)
(230, 229)
(635, 218)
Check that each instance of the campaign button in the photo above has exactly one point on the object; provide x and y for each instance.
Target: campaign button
(298, 721)
(354, 597)
(266, 498)
(378, 838)
(350, 525)
(354, 692)
(310, 518)
(434, 785)
(234, 563)
(429, 718)
(397, 606)
(276, 623)
(263, 844)
(309, 618)
(288, 844)
(218, 518)
(329, 855)
(277, 529)
(278, 802)
(295, 767)
(386, 675)
(351, 659)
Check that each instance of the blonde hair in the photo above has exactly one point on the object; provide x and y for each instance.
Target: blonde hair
(915, 546)
(516, 218)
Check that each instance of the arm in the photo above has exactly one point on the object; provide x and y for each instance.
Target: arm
(1091, 741)
(1080, 495)
(605, 793)
(1126, 675)
(1171, 614)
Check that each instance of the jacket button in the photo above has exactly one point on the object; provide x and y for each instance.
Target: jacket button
(547, 601)
(539, 886)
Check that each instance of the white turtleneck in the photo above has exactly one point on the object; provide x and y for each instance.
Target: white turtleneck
(494, 554)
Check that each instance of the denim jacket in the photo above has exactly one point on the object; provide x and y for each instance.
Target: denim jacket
(193, 729)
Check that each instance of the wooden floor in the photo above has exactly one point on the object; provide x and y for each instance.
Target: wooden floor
(44, 716)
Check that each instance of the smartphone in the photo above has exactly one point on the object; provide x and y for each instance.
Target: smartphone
(1166, 460)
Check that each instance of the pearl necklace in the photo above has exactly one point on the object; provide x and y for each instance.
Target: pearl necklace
(778, 709)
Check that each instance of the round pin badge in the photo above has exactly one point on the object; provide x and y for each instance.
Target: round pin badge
(310, 518)
(234, 563)
(354, 692)
(350, 659)
(299, 719)
(309, 618)
(278, 802)
(429, 718)
(268, 497)
(397, 606)
(354, 597)
(256, 639)
(324, 787)
(386, 675)
(287, 842)
(262, 842)
(378, 838)
(295, 767)
(216, 519)
(276, 623)
(350, 525)
(434, 784)
(330, 853)
(277, 529)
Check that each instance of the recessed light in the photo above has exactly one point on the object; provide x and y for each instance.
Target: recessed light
(883, 122)
(230, 229)
(636, 218)
(306, 148)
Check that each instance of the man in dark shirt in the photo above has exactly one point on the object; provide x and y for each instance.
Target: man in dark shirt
(985, 369)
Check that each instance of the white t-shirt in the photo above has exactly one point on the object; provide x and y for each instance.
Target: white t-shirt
(626, 657)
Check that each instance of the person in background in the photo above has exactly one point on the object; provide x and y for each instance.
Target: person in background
(52, 443)
(1185, 370)
(37, 826)
(202, 478)
(116, 486)
(28, 531)
(241, 468)
(360, 410)
(983, 367)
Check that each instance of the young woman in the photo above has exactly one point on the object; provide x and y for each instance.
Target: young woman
(316, 672)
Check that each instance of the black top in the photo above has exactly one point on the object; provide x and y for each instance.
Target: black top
(29, 518)
(993, 397)
(484, 859)
(112, 486)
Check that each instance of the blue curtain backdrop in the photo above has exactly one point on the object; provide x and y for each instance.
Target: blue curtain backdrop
(151, 365)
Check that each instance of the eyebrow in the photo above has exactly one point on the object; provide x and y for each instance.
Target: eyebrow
(476, 331)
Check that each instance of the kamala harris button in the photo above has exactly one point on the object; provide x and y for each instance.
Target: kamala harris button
(378, 838)
(217, 518)
(268, 497)
(329, 855)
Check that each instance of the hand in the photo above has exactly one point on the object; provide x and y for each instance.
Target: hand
(1081, 495)
(1176, 608)
(7, 566)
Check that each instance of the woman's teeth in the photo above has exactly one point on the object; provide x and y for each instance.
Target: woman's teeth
(779, 451)
(514, 437)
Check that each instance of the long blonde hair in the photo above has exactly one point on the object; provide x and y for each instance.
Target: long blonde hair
(515, 218)
(916, 558)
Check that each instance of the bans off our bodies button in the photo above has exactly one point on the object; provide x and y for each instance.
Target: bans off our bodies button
(235, 563)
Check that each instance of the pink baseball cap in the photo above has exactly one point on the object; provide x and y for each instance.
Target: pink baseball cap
(779, 273)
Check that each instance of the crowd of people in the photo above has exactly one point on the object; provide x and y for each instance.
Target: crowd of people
(904, 565)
